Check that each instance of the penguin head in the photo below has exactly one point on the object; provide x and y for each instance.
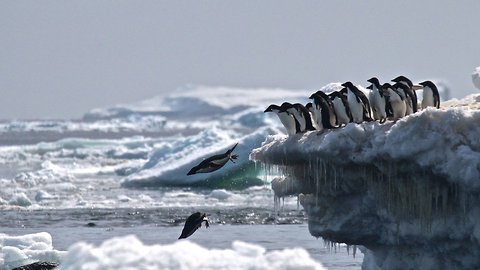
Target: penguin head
(285, 106)
(271, 108)
(403, 79)
(374, 81)
(308, 106)
(348, 84)
(385, 88)
(428, 84)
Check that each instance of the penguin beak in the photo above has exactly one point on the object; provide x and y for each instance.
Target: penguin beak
(417, 87)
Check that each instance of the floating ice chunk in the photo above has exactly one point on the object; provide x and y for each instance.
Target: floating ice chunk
(20, 199)
(130, 253)
(220, 194)
(21, 250)
(43, 195)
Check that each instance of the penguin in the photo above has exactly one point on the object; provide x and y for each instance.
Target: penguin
(302, 115)
(38, 266)
(322, 111)
(193, 222)
(377, 100)
(342, 110)
(214, 163)
(396, 101)
(311, 109)
(358, 103)
(407, 96)
(406, 81)
(287, 120)
(331, 109)
(431, 97)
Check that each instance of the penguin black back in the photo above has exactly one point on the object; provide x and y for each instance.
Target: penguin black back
(193, 222)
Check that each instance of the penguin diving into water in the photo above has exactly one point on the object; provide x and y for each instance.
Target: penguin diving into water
(193, 222)
(214, 163)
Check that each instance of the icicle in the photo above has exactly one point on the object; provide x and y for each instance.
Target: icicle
(348, 249)
(354, 252)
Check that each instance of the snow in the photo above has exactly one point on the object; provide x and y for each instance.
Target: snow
(21, 250)
(130, 253)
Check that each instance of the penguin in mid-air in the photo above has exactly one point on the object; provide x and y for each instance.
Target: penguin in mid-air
(193, 222)
(431, 97)
(285, 117)
(302, 115)
(411, 89)
(215, 162)
(377, 100)
(395, 100)
(358, 103)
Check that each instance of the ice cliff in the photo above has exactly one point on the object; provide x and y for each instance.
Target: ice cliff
(408, 192)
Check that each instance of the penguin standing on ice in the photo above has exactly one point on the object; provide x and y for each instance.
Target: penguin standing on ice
(411, 88)
(193, 222)
(215, 162)
(342, 110)
(395, 100)
(377, 100)
(331, 110)
(286, 118)
(302, 115)
(322, 111)
(407, 96)
(431, 97)
(358, 103)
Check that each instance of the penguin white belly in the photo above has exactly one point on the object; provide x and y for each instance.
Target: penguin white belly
(300, 119)
(288, 122)
(340, 111)
(399, 108)
(355, 108)
(409, 106)
(378, 105)
(318, 117)
(313, 116)
(427, 98)
(333, 117)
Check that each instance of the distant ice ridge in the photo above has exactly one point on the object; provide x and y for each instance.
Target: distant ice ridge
(130, 253)
(476, 77)
(407, 191)
(22, 250)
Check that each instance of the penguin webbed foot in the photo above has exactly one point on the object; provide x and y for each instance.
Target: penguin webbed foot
(232, 157)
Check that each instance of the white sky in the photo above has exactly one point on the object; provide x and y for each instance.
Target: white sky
(59, 59)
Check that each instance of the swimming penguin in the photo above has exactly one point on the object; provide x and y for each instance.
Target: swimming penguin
(322, 111)
(407, 96)
(431, 97)
(214, 163)
(302, 115)
(342, 110)
(194, 221)
(358, 103)
(287, 120)
(377, 100)
(395, 100)
(412, 87)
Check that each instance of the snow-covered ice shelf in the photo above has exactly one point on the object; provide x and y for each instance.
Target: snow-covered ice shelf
(406, 191)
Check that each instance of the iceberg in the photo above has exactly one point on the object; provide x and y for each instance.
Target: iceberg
(406, 191)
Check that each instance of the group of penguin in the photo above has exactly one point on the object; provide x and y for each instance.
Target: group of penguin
(350, 104)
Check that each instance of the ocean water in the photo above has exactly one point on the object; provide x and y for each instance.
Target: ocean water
(122, 171)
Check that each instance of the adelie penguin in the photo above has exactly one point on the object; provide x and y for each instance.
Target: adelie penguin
(411, 88)
(288, 121)
(395, 100)
(321, 104)
(358, 102)
(431, 97)
(302, 115)
(214, 163)
(342, 110)
(193, 222)
(407, 97)
(377, 100)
